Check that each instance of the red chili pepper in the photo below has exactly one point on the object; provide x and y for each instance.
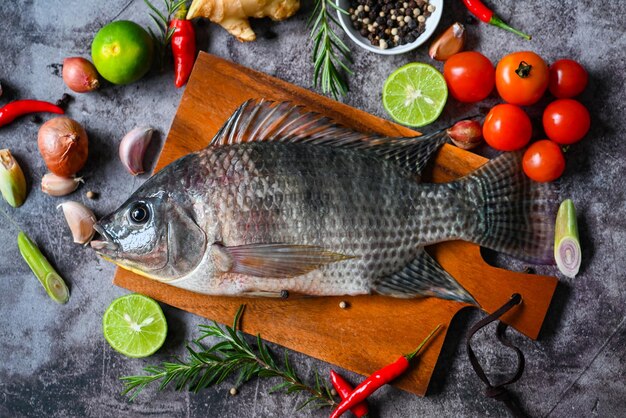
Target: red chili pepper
(344, 389)
(183, 46)
(485, 14)
(379, 378)
(18, 108)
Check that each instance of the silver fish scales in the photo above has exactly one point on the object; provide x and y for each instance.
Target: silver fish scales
(284, 200)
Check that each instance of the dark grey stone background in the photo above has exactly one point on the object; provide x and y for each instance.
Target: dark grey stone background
(53, 359)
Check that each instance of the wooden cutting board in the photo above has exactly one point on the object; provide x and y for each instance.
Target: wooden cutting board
(374, 330)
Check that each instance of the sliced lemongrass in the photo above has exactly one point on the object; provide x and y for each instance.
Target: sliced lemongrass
(48, 277)
(567, 252)
(12, 181)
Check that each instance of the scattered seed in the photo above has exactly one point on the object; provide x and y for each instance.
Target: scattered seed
(343, 304)
(233, 391)
(91, 195)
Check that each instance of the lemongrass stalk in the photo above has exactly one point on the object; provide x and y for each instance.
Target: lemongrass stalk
(49, 278)
(567, 252)
(12, 181)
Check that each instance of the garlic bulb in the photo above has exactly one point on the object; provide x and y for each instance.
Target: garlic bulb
(80, 219)
(59, 186)
(448, 43)
(133, 148)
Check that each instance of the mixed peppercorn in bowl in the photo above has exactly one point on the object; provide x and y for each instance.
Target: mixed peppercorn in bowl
(390, 26)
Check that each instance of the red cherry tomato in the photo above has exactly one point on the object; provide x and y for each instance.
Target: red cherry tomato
(567, 79)
(507, 128)
(470, 76)
(566, 121)
(522, 78)
(543, 161)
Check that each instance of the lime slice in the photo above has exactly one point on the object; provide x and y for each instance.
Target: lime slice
(415, 94)
(134, 325)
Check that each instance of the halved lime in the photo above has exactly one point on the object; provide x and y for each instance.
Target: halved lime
(415, 94)
(134, 325)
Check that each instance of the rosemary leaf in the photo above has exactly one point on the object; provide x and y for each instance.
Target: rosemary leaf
(330, 53)
(206, 366)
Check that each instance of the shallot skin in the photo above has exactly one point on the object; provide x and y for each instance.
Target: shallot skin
(80, 75)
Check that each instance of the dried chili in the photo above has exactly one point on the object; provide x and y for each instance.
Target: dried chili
(18, 108)
(379, 379)
(344, 389)
(183, 46)
(487, 15)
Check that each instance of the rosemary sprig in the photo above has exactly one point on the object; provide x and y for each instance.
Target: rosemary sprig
(208, 366)
(331, 56)
(163, 22)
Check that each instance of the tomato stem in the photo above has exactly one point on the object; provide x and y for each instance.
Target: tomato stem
(524, 69)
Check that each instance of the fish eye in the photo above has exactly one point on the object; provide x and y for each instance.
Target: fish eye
(139, 213)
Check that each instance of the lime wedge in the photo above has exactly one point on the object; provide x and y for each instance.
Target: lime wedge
(415, 94)
(134, 325)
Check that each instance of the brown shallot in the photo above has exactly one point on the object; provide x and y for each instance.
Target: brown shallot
(80, 75)
(63, 144)
(466, 134)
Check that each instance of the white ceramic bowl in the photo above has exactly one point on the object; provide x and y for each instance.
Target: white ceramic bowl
(357, 38)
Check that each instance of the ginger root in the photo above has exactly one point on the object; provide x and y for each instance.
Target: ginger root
(233, 15)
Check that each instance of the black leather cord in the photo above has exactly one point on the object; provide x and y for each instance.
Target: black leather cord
(499, 392)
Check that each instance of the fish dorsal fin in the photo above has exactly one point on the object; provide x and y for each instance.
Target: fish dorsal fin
(423, 276)
(262, 120)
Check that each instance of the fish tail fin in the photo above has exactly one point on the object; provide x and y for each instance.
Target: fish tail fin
(513, 214)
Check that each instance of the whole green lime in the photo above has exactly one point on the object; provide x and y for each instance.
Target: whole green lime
(122, 52)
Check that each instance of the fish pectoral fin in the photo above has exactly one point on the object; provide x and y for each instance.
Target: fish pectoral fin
(267, 121)
(272, 260)
(423, 276)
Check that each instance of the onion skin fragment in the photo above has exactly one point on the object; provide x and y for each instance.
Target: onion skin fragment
(567, 251)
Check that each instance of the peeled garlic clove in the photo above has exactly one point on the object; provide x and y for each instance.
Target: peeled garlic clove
(80, 219)
(466, 134)
(12, 181)
(133, 148)
(59, 186)
(448, 43)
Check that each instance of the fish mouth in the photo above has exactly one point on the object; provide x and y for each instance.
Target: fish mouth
(106, 245)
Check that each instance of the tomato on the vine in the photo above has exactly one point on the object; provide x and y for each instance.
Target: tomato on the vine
(567, 79)
(521, 78)
(566, 121)
(543, 161)
(470, 76)
(507, 128)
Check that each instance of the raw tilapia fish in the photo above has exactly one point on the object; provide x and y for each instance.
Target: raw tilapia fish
(283, 200)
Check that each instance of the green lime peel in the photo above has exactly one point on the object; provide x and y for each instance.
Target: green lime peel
(49, 278)
(567, 252)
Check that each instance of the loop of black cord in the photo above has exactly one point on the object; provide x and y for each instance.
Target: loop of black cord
(498, 392)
